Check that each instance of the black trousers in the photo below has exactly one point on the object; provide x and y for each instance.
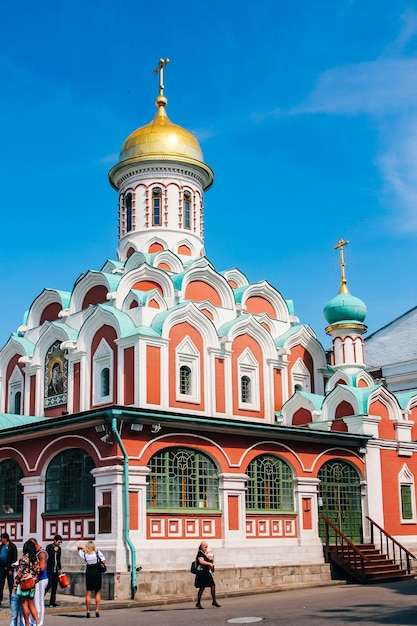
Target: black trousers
(52, 585)
(3, 577)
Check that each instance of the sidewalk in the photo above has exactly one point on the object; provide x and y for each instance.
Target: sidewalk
(75, 604)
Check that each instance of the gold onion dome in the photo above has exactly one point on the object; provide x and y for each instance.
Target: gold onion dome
(161, 140)
(161, 137)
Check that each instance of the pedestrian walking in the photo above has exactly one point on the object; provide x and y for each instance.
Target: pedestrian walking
(41, 584)
(16, 612)
(8, 555)
(204, 577)
(25, 581)
(53, 568)
(95, 561)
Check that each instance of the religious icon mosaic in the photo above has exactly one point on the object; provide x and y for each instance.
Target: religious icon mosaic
(56, 376)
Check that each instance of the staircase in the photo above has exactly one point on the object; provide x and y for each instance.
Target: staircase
(366, 563)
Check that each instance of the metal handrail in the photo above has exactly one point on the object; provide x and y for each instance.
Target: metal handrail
(353, 552)
(393, 543)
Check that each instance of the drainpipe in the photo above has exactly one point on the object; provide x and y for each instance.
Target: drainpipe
(126, 505)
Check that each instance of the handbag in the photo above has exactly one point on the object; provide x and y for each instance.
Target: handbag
(27, 582)
(63, 580)
(101, 567)
(196, 567)
(30, 593)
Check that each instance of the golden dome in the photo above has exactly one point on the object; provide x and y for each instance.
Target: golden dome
(162, 140)
(161, 137)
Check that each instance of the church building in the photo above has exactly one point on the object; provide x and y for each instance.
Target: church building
(163, 401)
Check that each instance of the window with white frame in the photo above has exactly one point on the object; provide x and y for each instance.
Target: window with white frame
(103, 374)
(156, 206)
(187, 372)
(16, 392)
(187, 209)
(185, 380)
(248, 379)
(129, 211)
(245, 388)
(300, 377)
(407, 495)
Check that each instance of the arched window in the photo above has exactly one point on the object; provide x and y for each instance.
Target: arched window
(182, 479)
(156, 206)
(15, 392)
(105, 382)
(187, 209)
(69, 485)
(248, 380)
(185, 380)
(270, 485)
(17, 403)
(11, 492)
(245, 389)
(103, 368)
(407, 495)
(129, 211)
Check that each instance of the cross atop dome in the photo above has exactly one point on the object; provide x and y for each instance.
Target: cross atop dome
(160, 70)
(343, 283)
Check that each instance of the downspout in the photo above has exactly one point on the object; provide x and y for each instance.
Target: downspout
(126, 504)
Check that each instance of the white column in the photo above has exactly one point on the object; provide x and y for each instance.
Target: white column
(306, 502)
(33, 506)
(233, 505)
(137, 482)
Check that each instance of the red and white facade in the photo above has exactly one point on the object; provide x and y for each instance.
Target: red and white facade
(159, 357)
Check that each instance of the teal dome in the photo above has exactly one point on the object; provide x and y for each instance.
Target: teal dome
(345, 308)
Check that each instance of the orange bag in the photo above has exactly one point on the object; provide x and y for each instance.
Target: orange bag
(27, 582)
(63, 580)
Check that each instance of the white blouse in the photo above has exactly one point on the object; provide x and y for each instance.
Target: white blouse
(91, 557)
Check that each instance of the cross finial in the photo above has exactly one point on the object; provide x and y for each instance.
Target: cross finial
(343, 286)
(160, 69)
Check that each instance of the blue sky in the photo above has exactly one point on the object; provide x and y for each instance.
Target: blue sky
(306, 111)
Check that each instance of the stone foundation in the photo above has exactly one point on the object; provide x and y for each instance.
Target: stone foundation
(166, 586)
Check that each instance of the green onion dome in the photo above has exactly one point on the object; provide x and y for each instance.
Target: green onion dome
(345, 308)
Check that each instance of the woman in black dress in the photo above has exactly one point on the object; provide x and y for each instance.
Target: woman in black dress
(94, 559)
(204, 578)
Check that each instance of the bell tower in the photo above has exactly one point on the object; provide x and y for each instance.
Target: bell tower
(161, 178)
(345, 315)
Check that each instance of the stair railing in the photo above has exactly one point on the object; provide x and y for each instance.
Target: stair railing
(343, 548)
(393, 549)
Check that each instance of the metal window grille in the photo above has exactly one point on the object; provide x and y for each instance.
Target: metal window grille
(182, 479)
(69, 483)
(11, 496)
(185, 380)
(406, 503)
(270, 485)
(245, 388)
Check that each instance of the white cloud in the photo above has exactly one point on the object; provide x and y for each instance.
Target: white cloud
(380, 87)
(398, 166)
